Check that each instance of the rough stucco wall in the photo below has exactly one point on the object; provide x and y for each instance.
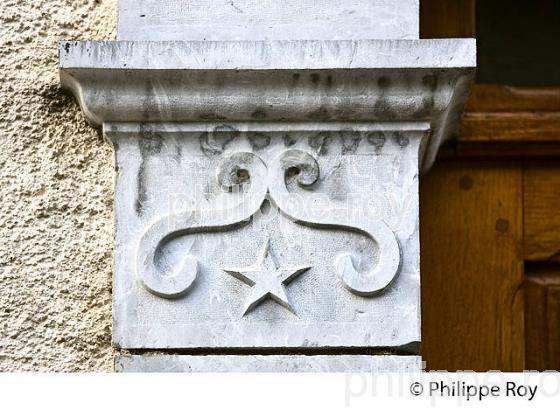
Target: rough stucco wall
(56, 190)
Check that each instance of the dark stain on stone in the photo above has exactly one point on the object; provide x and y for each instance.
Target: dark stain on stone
(215, 142)
(383, 109)
(178, 152)
(321, 114)
(67, 47)
(212, 117)
(425, 108)
(347, 113)
(377, 139)
(258, 114)
(208, 190)
(402, 140)
(207, 146)
(466, 182)
(224, 128)
(350, 140)
(502, 225)
(150, 143)
(430, 81)
(219, 81)
(149, 102)
(383, 82)
(320, 142)
(259, 141)
(338, 184)
(288, 140)
(315, 78)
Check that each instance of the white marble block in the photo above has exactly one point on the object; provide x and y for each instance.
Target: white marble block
(223, 20)
(267, 181)
(246, 236)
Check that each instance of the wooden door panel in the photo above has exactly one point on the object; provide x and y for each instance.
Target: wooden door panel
(472, 266)
(471, 274)
(541, 198)
(542, 317)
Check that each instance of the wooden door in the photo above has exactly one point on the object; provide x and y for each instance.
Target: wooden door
(490, 222)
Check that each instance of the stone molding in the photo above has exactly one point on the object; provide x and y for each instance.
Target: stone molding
(274, 81)
(261, 363)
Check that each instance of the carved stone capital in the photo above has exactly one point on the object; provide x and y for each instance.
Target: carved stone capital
(267, 191)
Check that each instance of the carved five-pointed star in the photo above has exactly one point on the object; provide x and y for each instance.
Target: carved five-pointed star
(266, 280)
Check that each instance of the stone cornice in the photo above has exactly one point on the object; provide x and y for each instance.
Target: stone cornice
(269, 55)
(274, 81)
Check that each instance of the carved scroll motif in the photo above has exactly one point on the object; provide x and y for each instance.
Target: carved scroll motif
(363, 284)
(232, 171)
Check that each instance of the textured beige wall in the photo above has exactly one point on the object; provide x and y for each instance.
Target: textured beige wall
(56, 190)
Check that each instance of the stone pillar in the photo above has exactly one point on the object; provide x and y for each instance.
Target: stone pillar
(268, 156)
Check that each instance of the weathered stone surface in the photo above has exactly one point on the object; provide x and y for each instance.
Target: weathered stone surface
(276, 81)
(454, 54)
(349, 220)
(277, 363)
(221, 20)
